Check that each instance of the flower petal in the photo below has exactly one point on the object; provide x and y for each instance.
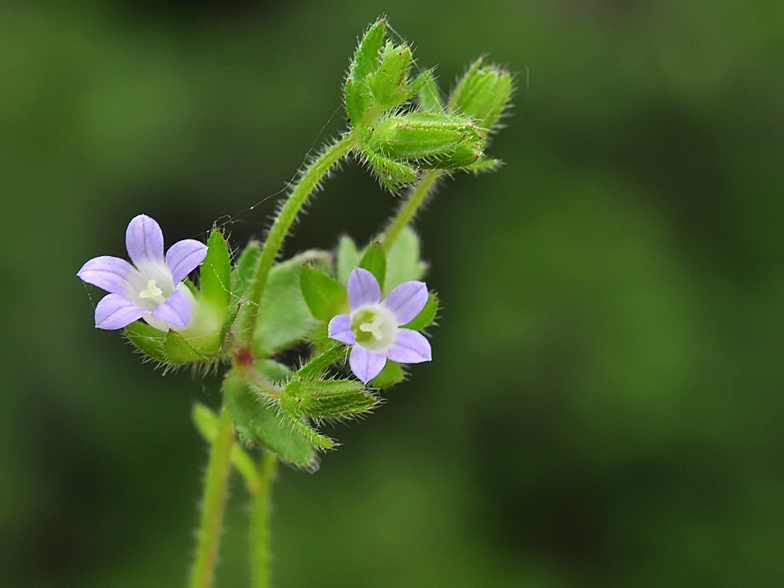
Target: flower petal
(183, 257)
(362, 288)
(144, 240)
(406, 300)
(340, 329)
(409, 347)
(108, 273)
(365, 364)
(176, 310)
(115, 312)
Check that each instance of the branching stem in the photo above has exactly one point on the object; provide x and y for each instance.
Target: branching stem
(280, 228)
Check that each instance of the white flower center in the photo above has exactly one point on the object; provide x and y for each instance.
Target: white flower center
(374, 327)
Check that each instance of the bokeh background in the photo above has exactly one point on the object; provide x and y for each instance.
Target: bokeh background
(605, 404)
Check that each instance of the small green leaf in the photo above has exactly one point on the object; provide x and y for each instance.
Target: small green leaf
(178, 351)
(324, 295)
(403, 262)
(215, 279)
(426, 316)
(284, 317)
(391, 374)
(148, 340)
(347, 258)
(273, 371)
(375, 262)
(257, 422)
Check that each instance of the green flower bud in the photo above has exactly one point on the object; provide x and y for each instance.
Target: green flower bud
(482, 94)
(428, 140)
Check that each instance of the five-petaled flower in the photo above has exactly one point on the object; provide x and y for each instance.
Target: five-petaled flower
(373, 327)
(152, 287)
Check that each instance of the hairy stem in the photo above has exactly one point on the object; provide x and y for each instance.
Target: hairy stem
(260, 523)
(280, 228)
(416, 197)
(213, 502)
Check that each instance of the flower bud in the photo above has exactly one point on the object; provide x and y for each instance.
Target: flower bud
(429, 140)
(482, 94)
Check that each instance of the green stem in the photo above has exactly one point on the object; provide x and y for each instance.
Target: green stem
(415, 199)
(280, 228)
(260, 522)
(215, 483)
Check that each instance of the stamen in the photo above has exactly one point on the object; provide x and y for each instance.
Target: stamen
(373, 328)
(152, 291)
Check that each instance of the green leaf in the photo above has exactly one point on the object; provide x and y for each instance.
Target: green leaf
(391, 374)
(375, 262)
(426, 316)
(257, 422)
(403, 262)
(347, 258)
(273, 371)
(215, 278)
(324, 295)
(178, 351)
(331, 399)
(284, 317)
(148, 340)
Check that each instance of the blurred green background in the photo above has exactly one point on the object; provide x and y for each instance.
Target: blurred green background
(605, 404)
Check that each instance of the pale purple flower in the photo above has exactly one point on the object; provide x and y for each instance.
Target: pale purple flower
(152, 287)
(373, 325)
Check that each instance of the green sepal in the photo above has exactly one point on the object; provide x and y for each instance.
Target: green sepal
(324, 295)
(149, 340)
(347, 258)
(333, 399)
(390, 82)
(284, 317)
(375, 262)
(191, 286)
(426, 316)
(430, 96)
(215, 280)
(357, 95)
(178, 351)
(482, 94)
(403, 263)
(390, 173)
(206, 422)
(290, 407)
(257, 422)
(391, 374)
